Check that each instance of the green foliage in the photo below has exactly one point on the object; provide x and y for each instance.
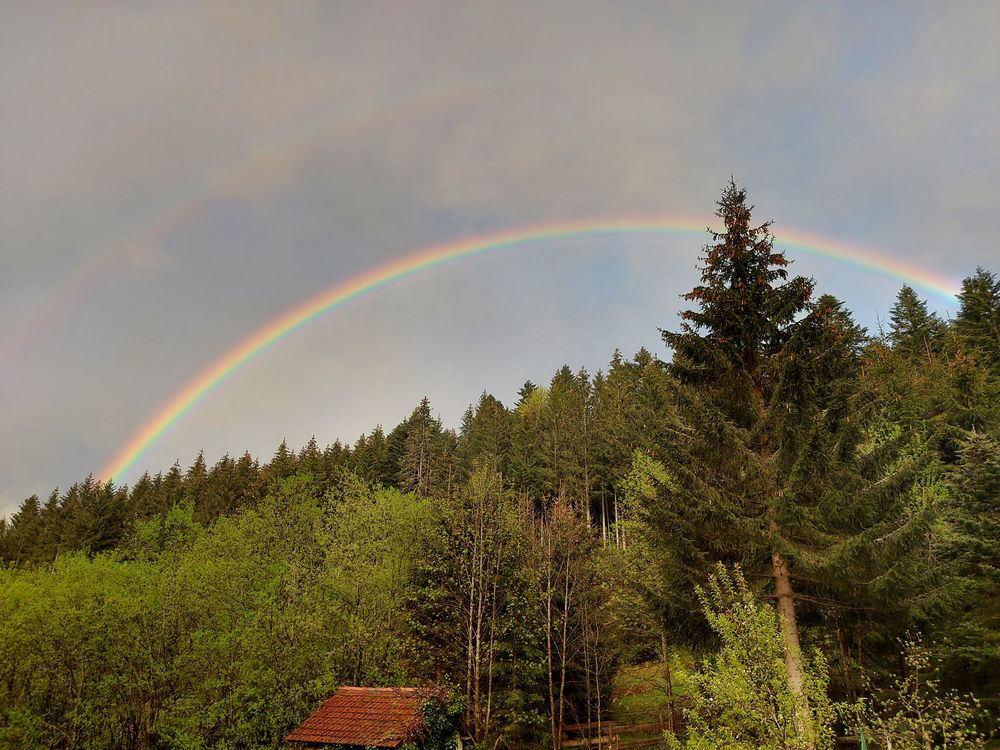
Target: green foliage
(978, 321)
(916, 714)
(914, 331)
(424, 467)
(641, 487)
(209, 637)
(371, 540)
(743, 700)
(441, 714)
(470, 616)
(968, 635)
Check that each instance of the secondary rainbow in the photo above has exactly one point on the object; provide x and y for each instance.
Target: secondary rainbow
(258, 168)
(438, 255)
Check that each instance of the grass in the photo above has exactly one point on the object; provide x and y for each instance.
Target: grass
(641, 693)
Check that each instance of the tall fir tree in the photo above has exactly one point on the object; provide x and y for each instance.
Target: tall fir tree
(766, 463)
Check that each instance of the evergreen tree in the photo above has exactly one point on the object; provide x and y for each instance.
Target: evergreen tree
(334, 457)
(527, 442)
(140, 496)
(310, 461)
(971, 626)
(395, 448)
(196, 481)
(283, 465)
(421, 468)
(219, 496)
(359, 463)
(50, 528)
(567, 424)
(382, 470)
(486, 436)
(767, 467)
(631, 413)
(914, 331)
(231, 486)
(21, 536)
(978, 320)
(169, 490)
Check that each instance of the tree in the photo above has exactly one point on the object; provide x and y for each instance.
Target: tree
(733, 347)
(422, 468)
(978, 320)
(21, 535)
(471, 617)
(631, 412)
(773, 465)
(567, 426)
(486, 435)
(563, 552)
(527, 442)
(370, 540)
(913, 330)
(283, 464)
(970, 629)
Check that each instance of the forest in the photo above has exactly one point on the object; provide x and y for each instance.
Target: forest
(793, 522)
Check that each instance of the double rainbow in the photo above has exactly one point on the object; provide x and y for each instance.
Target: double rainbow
(438, 255)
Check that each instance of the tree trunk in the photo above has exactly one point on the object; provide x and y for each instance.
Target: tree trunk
(785, 602)
(618, 543)
(547, 540)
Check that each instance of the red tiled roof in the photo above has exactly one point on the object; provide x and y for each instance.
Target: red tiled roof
(370, 717)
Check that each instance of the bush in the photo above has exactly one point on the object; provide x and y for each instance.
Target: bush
(743, 700)
(916, 714)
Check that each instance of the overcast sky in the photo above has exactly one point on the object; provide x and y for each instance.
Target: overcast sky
(175, 175)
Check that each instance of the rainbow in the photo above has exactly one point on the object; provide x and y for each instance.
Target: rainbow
(438, 255)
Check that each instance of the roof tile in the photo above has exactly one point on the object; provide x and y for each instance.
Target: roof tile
(370, 717)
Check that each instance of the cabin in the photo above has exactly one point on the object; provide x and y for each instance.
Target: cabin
(360, 717)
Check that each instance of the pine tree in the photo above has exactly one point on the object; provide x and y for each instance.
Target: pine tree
(978, 320)
(283, 465)
(169, 490)
(139, 497)
(767, 462)
(219, 495)
(567, 423)
(971, 628)
(382, 470)
(395, 448)
(310, 461)
(196, 481)
(335, 457)
(420, 468)
(485, 436)
(914, 331)
(527, 442)
(630, 414)
(22, 534)
(50, 528)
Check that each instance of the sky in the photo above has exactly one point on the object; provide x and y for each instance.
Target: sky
(177, 175)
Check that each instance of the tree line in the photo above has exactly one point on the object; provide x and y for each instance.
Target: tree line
(852, 478)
